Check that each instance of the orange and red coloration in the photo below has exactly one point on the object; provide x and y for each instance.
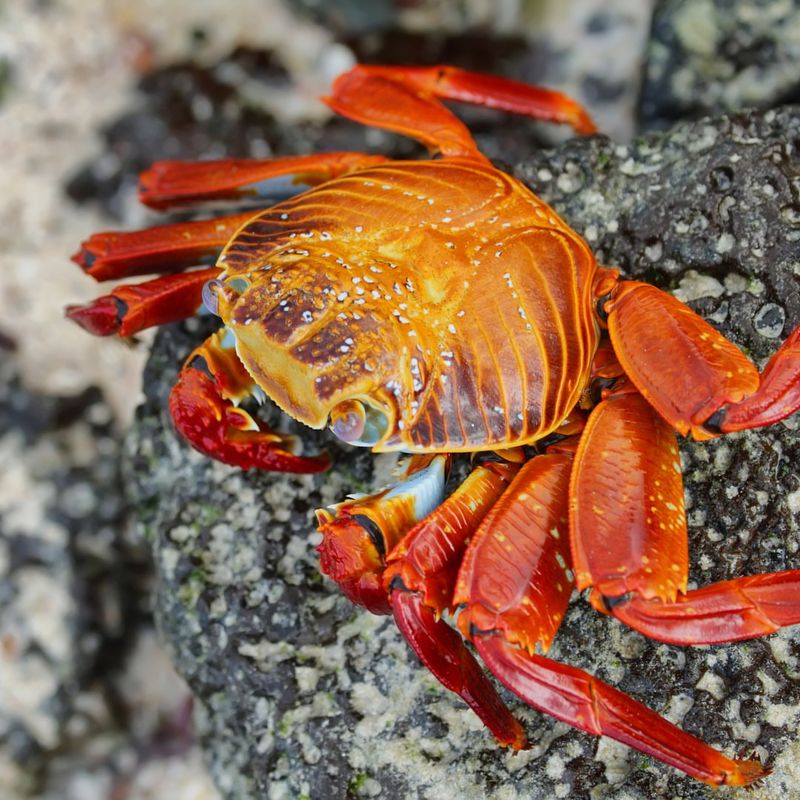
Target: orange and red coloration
(437, 307)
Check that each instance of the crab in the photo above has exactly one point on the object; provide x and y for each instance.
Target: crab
(438, 307)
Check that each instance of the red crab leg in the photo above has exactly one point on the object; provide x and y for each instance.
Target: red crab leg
(742, 608)
(427, 557)
(581, 700)
(692, 375)
(422, 571)
(416, 585)
(170, 184)
(778, 394)
(515, 585)
(202, 406)
(443, 652)
(401, 99)
(627, 520)
(515, 574)
(165, 248)
(358, 533)
(131, 308)
(419, 577)
(629, 541)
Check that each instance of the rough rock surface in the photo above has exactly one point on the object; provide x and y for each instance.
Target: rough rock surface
(712, 56)
(65, 600)
(302, 695)
(49, 513)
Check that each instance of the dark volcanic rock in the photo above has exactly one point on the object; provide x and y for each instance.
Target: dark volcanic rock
(711, 56)
(302, 695)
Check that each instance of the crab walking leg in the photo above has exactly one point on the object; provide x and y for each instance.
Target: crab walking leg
(581, 700)
(202, 405)
(442, 650)
(419, 577)
(414, 581)
(131, 308)
(164, 248)
(510, 577)
(402, 99)
(515, 575)
(171, 184)
(695, 378)
(727, 611)
(515, 585)
(629, 538)
(778, 394)
(426, 559)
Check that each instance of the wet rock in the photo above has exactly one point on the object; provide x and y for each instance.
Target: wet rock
(301, 695)
(711, 56)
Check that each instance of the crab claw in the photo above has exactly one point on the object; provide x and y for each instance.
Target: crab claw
(358, 533)
(214, 426)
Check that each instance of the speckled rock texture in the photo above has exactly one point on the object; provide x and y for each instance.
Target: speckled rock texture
(53, 614)
(90, 706)
(300, 695)
(711, 56)
(63, 597)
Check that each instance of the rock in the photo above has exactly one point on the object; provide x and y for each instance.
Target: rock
(299, 694)
(712, 56)
(60, 590)
(90, 706)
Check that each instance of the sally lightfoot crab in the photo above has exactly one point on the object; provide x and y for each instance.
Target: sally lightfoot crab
(439, 307)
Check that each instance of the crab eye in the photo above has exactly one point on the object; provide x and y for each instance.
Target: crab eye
(211, 296)
(347, 421)
(356, 423)
(229, 289)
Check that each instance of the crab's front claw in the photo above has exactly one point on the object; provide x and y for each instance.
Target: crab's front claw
(358, 533)
(204, 414)
(351, 553)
